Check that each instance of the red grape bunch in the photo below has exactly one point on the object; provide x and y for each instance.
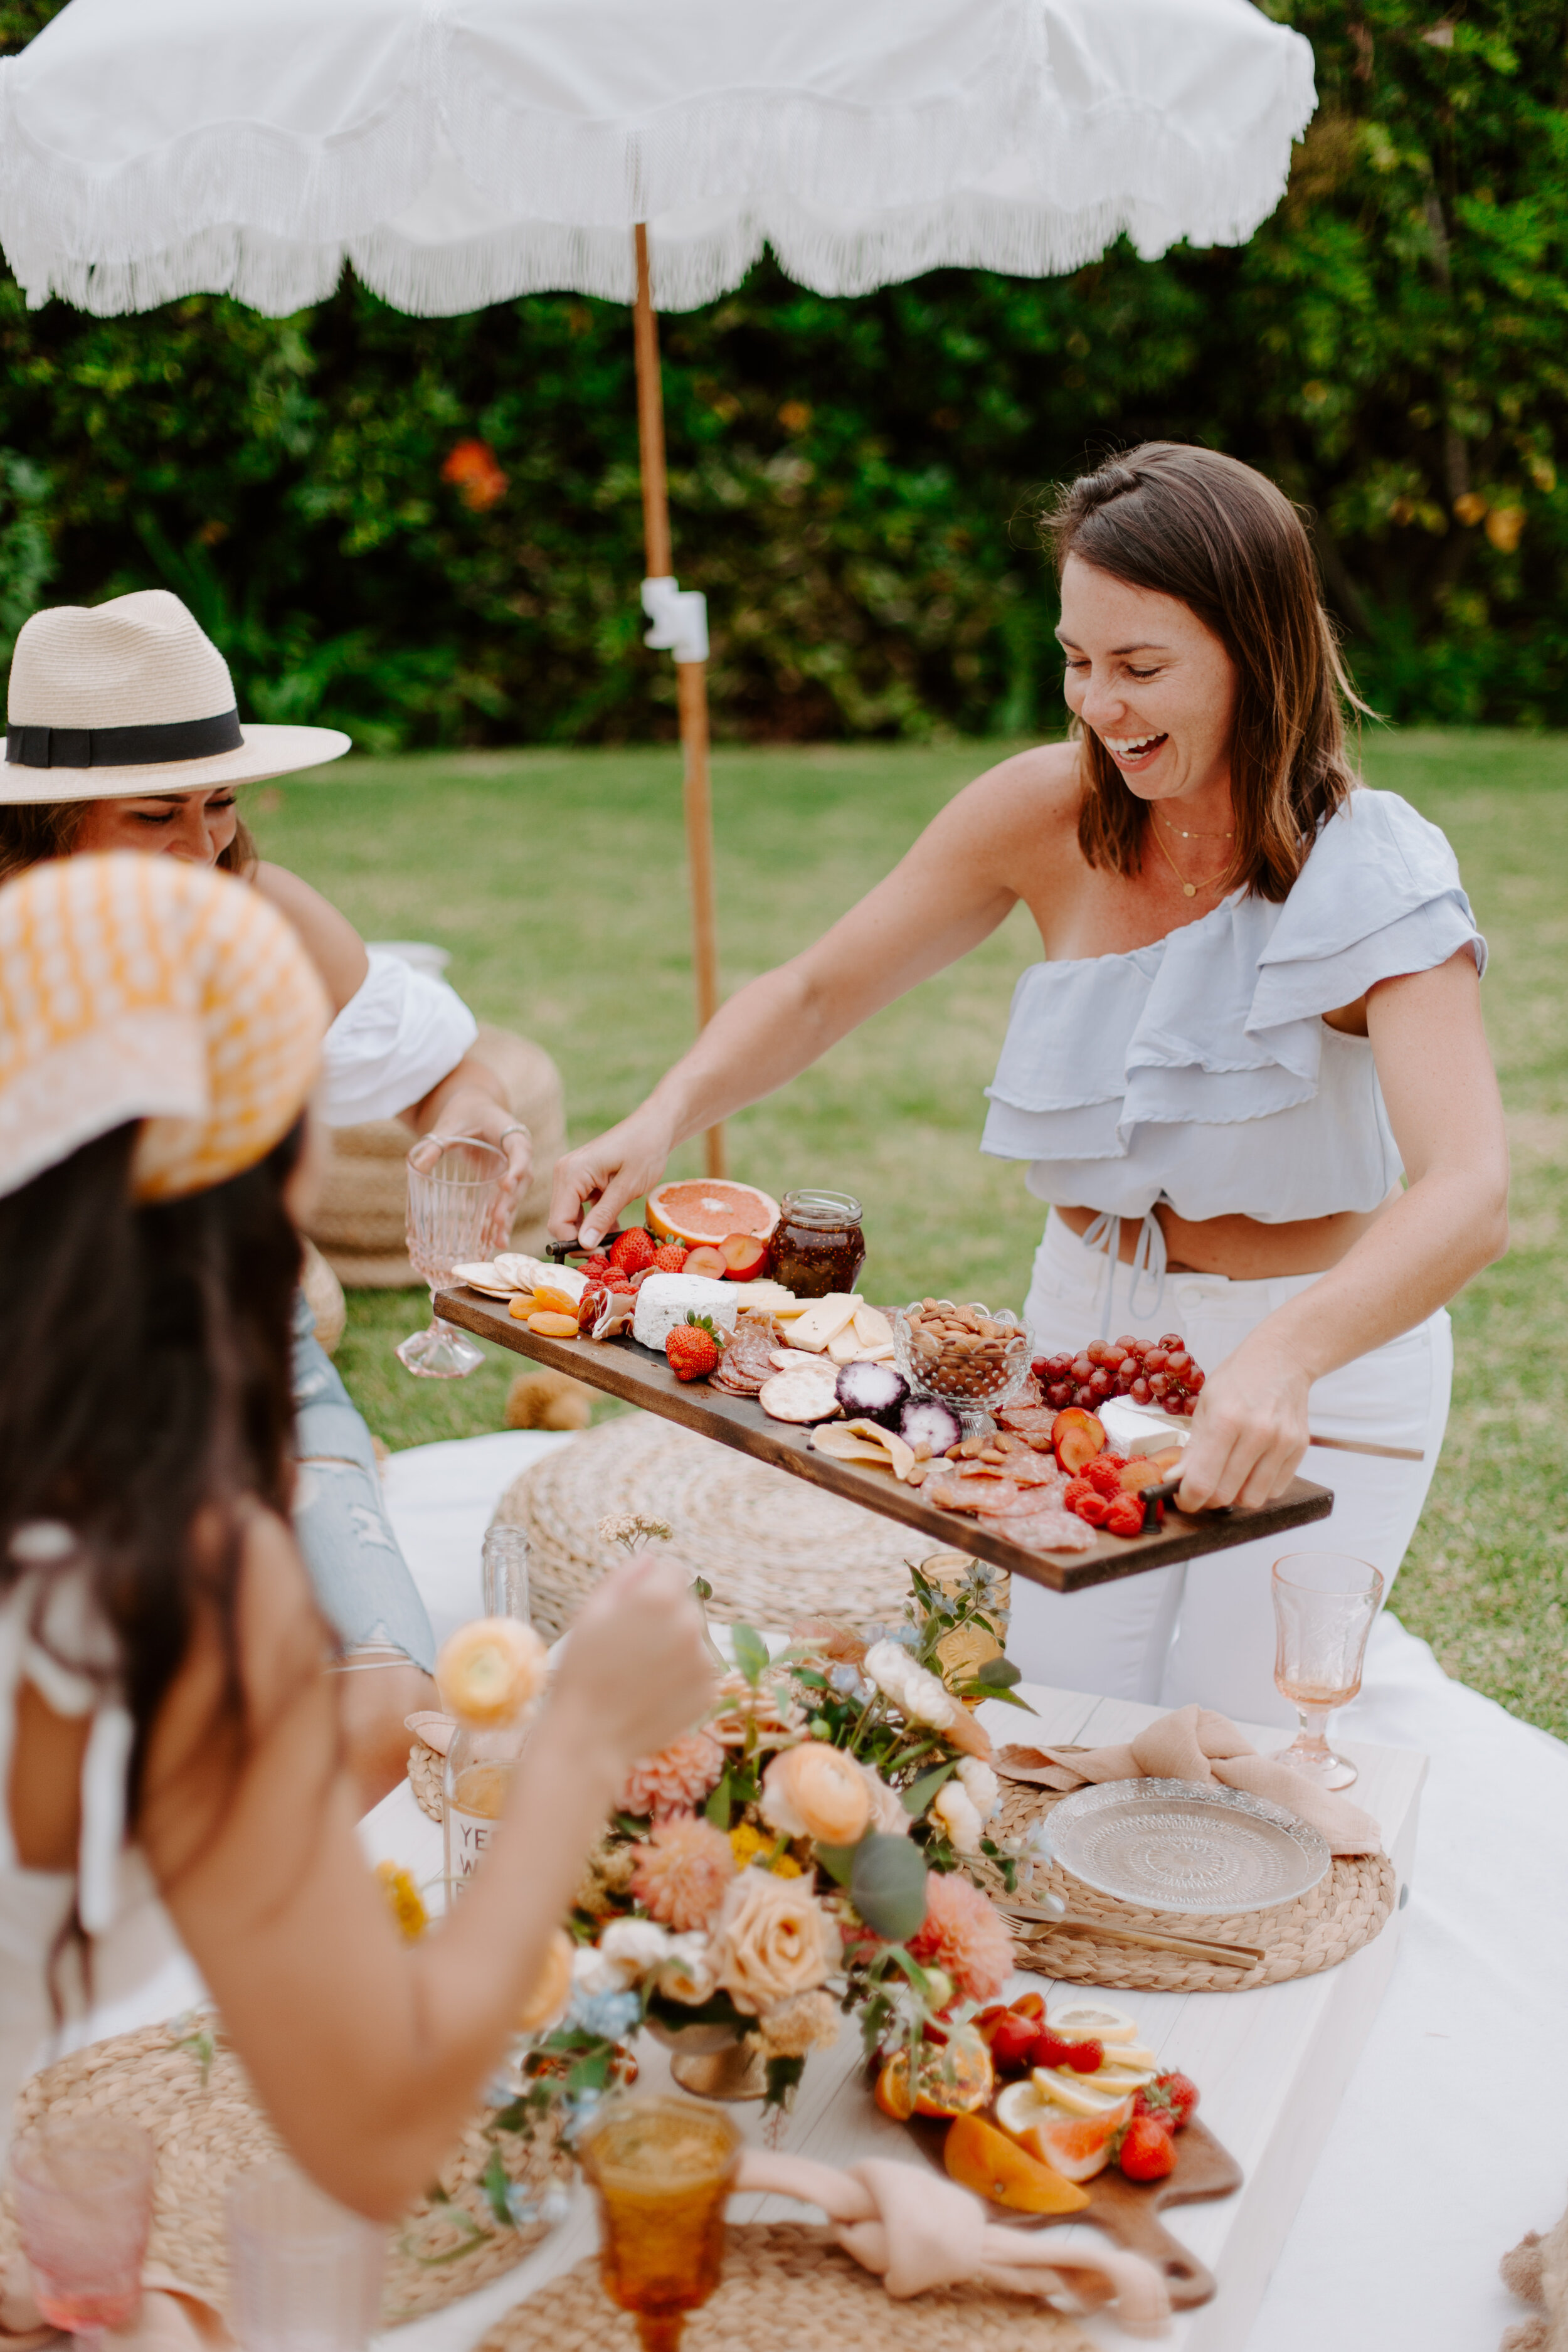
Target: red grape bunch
(1150, 1371)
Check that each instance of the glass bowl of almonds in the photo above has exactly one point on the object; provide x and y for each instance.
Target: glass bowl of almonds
(972, 1359)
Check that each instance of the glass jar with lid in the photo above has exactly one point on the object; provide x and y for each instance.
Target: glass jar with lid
(817, 1245)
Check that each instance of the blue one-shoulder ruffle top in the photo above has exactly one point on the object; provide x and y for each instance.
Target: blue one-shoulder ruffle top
(1199, 1071)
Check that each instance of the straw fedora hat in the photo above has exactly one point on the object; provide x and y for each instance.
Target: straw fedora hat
(119, 700)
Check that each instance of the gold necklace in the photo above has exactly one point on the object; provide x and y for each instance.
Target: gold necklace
(1228, 835)
(1191, 890)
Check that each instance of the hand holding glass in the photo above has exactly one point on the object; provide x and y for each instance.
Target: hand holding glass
(83, 2190)
(663, 2170)
(454, 1183)
(1324, 1605)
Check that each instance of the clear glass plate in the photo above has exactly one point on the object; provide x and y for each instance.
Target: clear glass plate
(1170, 1845)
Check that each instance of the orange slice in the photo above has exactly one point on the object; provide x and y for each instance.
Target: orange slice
(711, 1209)
(979, 2156)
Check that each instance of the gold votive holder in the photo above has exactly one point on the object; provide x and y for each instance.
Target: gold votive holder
(662, 2171)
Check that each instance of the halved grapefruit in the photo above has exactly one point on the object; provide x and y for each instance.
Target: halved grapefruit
(709, 1210)
(1077, 2146)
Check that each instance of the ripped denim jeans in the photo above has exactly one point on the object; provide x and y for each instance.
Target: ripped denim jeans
(361, 1577)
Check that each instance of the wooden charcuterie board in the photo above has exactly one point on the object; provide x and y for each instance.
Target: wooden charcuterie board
(1128, 2211)
(623, 1369)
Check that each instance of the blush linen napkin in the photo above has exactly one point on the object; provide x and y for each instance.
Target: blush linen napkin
(1197, 1745)
(172, 2317)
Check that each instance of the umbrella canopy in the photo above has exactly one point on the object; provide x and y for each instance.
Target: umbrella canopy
(458, 153)
(461, 154)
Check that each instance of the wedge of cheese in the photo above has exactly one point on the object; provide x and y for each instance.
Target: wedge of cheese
(873, 1330)
(768, 1298)
(821, 1322)
(844, 1347)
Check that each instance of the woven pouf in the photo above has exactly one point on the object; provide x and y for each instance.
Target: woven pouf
(787, 2288)
(773, 1548)
(183, 2084)
(1346, 1909)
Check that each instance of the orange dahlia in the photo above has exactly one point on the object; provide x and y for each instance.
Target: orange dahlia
(962, 1934)
(676, 1779)
(682, 1871)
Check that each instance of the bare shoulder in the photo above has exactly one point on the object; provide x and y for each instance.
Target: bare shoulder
(1039, 790)
(335, 947)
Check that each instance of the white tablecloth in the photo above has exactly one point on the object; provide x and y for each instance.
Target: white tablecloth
(1453, 2139)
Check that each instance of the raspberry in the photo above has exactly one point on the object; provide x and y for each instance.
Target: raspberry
(1093, 1508)
(1124, 1517)
(1104, 1476)
(1076, 1489)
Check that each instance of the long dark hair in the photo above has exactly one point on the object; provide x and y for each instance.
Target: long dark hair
(146, 1398)
(1220, 537)
(32, 831)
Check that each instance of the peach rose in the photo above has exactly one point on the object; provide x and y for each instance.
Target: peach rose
(815, 1791)
(774, 1940)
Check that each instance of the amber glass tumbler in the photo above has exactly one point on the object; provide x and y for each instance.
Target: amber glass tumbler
(663, 2170)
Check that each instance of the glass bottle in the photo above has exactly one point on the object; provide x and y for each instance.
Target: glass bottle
(480, 1766)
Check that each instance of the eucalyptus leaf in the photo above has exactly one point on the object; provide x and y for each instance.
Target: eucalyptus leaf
(751, 1651)
(919, 1793)
(838, 1860)
(888, 1886)
(998, 1673)
(717, 1809)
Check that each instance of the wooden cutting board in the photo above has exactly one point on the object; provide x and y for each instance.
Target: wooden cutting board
(1128, 2211)
(623, 1369)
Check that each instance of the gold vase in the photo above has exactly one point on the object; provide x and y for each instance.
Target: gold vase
(739, 2072)
(962, 1654)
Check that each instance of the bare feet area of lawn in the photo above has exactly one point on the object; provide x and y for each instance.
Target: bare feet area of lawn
(557, 881)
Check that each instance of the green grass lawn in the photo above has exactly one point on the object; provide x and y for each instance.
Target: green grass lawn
(556, 880)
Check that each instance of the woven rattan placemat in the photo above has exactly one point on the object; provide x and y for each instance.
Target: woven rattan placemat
(1345, 1910)
(184, 2086)
(773, 1548)
(787, 2288)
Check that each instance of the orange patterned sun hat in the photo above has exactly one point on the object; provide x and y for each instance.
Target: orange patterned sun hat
(142, 988)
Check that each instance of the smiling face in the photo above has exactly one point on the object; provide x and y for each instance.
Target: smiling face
(1157, 688)
(196, 826)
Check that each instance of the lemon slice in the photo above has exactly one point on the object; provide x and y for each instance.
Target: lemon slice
(1076, 2093)
(1092, 2020)
(1120, 2079)
(1021, 2106)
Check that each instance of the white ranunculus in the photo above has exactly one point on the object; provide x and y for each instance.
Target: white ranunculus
(633, 1946)
(686, 1971)
(981, 1786)
(958, 1816)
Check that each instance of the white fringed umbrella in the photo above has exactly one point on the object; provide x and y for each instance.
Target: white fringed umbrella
(458, 152)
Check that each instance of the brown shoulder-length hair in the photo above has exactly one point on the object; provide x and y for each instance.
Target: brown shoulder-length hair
(1221, 539)
(33, 831)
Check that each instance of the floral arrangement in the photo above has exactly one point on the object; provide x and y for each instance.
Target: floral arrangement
(816, 1846)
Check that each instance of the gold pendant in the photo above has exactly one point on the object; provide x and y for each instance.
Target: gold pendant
(1190, 889)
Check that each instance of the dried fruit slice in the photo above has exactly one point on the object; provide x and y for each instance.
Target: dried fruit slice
(979, 2156)
(951, 2078)
(745, 1255)
(709, 1209)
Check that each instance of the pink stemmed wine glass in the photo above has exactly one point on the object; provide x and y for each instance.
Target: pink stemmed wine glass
(454, 1185)
(1324, 1605)
(83, 2190)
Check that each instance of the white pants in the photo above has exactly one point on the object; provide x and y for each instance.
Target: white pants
(1204, 1629)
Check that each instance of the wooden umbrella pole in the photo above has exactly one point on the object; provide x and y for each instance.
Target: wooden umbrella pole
(691, 677)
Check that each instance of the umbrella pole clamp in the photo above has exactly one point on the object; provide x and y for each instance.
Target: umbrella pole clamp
(678, 618)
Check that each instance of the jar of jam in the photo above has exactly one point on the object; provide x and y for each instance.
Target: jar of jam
(817, 1245)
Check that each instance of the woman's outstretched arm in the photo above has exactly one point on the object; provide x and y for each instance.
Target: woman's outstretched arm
(1249, 1432)
(369, 2054)
(951, 890)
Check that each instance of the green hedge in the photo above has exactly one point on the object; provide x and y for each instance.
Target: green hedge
(851, 481)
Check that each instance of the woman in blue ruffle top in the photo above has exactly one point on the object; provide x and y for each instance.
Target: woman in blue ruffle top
(1250, 1074)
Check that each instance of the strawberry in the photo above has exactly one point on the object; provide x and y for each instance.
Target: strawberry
(670, 1257)
(633, 1251)
(1171, 2099)
(1084, 2057)
(693, 1348)
(1124, 1517)
(1055, 2050)
(1148, 2151)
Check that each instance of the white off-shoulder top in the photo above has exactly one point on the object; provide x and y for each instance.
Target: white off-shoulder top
(1199, 1071)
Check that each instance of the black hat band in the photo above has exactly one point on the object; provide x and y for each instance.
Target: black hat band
(123, 746)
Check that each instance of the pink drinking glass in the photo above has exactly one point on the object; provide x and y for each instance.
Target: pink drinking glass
(454, 1186)
(1324, 1605)
(83, 2189)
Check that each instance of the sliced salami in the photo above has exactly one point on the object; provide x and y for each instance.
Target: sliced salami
(1051, 1531)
